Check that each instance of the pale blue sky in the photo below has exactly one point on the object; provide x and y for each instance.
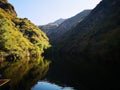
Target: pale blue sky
(44, 11)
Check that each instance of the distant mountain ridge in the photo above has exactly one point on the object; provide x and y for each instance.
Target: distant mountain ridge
(51, 26)
(58, 22)
(56, 31)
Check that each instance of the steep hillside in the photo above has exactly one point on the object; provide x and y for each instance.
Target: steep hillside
(19, 37)
(97, 35)
(69, 23)
(48, 28)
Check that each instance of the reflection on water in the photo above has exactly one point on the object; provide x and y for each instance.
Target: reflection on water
(25, 73)
(44, 85)
(83, 73)
(80, 73)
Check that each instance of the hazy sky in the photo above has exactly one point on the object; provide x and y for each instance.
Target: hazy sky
(44, 11)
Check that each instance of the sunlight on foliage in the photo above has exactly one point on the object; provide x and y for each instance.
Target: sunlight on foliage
(19, 37)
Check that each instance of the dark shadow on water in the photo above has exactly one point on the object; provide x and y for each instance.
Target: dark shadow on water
(83, 73)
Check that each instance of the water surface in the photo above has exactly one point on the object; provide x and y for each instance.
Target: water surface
(45, 85)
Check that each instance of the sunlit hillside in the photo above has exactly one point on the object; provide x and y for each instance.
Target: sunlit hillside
(19, 37)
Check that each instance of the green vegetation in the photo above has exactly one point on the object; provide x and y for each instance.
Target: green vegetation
(25, 73)
(21, 46)
(19, 37)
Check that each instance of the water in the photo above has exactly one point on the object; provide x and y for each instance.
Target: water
(62, 74)
(45, 85)
(26, 73)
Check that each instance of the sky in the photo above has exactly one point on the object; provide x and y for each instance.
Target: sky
(41, 12)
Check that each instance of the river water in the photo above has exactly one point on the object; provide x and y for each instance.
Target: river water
(63, 73)
(27, 74)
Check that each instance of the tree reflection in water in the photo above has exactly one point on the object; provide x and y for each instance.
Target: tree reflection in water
(25, 73)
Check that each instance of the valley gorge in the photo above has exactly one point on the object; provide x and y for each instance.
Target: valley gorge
(78, 53)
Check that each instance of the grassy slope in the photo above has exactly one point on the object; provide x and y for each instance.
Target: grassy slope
(19, 36)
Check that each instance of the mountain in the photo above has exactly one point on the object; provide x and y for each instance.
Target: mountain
(18, 36)
(59, 21)
(57, 32)
(71, 22)
(92, 48)
(51, 26)
(97, 36)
